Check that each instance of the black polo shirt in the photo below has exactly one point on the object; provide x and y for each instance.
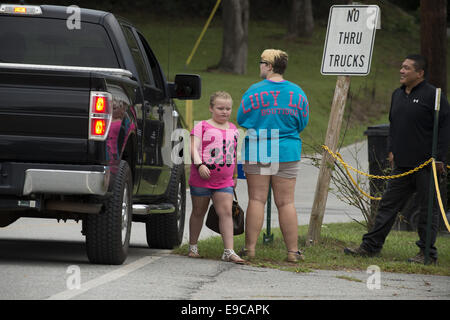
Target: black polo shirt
(411, 125)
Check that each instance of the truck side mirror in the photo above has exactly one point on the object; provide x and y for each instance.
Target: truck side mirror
(186, 87)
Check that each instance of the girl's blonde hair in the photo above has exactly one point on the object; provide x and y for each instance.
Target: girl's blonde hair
(219, 94)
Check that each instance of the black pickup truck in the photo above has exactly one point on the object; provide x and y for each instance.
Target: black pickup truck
(87, 123)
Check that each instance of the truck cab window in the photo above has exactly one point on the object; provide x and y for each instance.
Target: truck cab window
(144, 76)
(47, 41)
(156, 72)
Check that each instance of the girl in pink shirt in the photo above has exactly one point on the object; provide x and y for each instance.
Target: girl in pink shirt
(214, 173)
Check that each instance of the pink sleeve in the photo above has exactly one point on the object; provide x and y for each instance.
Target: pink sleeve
(198, 130)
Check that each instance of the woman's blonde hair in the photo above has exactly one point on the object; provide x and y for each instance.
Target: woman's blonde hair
(219, 94)
(277, 58)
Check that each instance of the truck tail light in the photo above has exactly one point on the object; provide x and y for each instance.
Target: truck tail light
(100, 113)
(100, 103)
(98, 127)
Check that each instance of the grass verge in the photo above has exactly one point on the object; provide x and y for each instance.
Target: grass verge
(328, 254)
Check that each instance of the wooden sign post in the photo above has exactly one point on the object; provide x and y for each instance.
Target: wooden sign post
(331, 140)
(348, 51)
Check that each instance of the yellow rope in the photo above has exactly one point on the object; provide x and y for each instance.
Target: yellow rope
(355, 184)
(337, 156)
(438, 193)
(375, 176)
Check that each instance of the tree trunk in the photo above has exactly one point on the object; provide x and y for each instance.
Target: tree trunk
(433, 40)
(301, 20)
(307, 25)
(235, 17)
(294, 18)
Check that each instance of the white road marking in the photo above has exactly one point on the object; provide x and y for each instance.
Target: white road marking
(108, 277)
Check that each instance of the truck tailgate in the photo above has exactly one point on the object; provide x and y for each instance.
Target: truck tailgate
(43, 115)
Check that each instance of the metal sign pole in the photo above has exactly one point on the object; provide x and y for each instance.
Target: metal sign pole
(432, 189)
(268, 236)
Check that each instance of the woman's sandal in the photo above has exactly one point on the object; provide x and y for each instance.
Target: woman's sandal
(230, 256)
(193, 251)
(247, 253)
(295, 256)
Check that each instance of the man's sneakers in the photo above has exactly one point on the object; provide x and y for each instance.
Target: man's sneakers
(361, 252)
(420, 258)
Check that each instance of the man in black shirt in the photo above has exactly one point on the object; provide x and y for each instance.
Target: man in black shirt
(410, 143)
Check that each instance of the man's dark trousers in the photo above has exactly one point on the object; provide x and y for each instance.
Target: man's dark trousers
(394, 198)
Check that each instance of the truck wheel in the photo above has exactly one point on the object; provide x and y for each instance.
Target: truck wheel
(165, 231)
(7, 218)
(108, 233)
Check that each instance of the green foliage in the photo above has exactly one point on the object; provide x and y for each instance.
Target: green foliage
(394, 19)
(369, 100)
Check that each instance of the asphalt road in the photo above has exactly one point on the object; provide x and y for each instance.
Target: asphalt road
(35, 265)
(42, 259)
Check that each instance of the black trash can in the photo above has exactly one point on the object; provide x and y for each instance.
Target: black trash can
(377, 145)
(377, 138)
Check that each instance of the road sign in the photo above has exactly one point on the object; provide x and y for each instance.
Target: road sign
(350, 38)
(348, 51)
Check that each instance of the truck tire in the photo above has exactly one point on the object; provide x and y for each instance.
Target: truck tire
(7, 218)
(108, 233)
(165, 231)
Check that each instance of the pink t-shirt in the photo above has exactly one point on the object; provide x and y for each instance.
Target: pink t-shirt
(218, 151)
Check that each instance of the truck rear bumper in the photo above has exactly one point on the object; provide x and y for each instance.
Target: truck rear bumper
(66, 181)
(24, 179)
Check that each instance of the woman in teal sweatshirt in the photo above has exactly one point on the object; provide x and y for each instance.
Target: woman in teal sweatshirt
(274, 111)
